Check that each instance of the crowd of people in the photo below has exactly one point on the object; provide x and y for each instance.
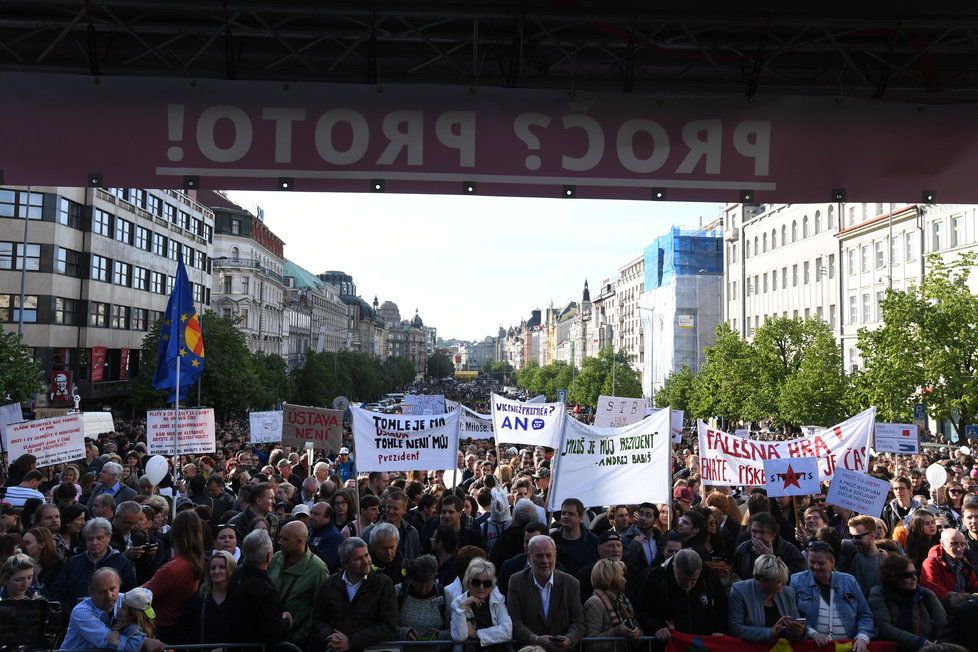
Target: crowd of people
(257, 544)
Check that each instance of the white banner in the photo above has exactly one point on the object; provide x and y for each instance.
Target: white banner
(900, 438)
(473, 425)
(608, 466)
(858, 492)
(729, 460)
(676, 421)
(617, 411)
(196, 432)
(425, 403)
(400, 442)
(539, 398)
(9, 414)
(536, 424)
(795, 476)
(266, 427)
(53, 441)
(96, 423)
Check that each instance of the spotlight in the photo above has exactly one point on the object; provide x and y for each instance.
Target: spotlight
(191, 182)
(95, 180)
(570, 191)
(469, 188)
(838, 194)
(285, 183)
(747, 197)
(929, 197)
(658, 194)
(376, 185)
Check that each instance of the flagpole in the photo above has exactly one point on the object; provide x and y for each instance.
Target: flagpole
(176, 439)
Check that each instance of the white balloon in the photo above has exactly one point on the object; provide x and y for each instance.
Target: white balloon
(964, 450)
(156, 469)
(936, 475)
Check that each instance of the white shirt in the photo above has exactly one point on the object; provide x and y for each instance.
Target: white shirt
(351, 589)
(544, 592)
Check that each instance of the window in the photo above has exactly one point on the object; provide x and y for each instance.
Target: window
(174, 250)
(794, 231)
(123, 230)
(198, 293)
(879, 306)
(784, 233)
(19, 203)
(878, 254)
(120, 273)
(197, 226)
(120, 317)
(170, 213)
(804, 226)
(139, 319)
(66, 261)
(794, 276)
(784, 277)
(69, 213)
(10, 308)
(245, 283)
(156, 284)
(820, 313)
(774, 238)
(819, 269)
(9, 261)
(733, 290)
(139, 275)
(864, 258)
(185, 220)
(733, 253)
(831, 265)
(102, 223)
(957, 230)
(244, 318)
(909, 246)
(866, 308)
(832, 315)
(937, 235)
(159, 244)
(65, 311)
(746, 250)
(853, 310)
(98, 314)
(209, 233)
(774, 280)
(100, 268)
(806, 272)
(818, 225)
(895, 250)
(153, 204)
(764, 242)
(831, 217)
(141, 240)
(227, 284)
(852, 215)
(170, 280)
(757, 247)
(137, 196)
(765, 282)
(235, 227)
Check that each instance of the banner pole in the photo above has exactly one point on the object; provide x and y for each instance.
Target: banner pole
(176, 440)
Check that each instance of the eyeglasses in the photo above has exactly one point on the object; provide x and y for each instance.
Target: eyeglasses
(957, 492)
(820, 546)
(481, 584)
(860, 536)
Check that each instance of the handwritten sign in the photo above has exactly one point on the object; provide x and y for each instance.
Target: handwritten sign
(194, 436)
(795, 476)
(399, 442)
(266, 427)
(53, 441)
(322, 427)
(534, 424)
(858, 492)
(615, 411)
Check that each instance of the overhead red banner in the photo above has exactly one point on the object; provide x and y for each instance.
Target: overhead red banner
(98, 363)
(686, 642)
(153, 133)
(123, 363)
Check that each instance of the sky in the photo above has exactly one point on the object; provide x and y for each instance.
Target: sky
(468, 264)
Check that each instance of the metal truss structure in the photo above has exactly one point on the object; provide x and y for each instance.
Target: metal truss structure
(920, 52)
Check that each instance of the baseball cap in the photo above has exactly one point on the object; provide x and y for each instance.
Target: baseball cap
(184, 502)
(682, 493)
(542, 473)
(300, 509)
(141, 600)
(344, 451)
(608, 535)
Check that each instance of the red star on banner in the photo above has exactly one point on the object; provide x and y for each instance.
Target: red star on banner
(791, 478)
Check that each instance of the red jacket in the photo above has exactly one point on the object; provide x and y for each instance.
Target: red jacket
(936, 576)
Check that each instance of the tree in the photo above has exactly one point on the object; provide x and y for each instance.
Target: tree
(725, 383)
(440, 365)
(677, 390)
(20, 374)
(315, 382)
(816, 394)
(597, 378)
(501, 371)
(526, 377)
(274, 383)
(398, 372)
(230, 382)
(927, 346)
(780, 346)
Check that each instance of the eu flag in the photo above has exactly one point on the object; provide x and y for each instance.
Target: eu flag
(180, 339)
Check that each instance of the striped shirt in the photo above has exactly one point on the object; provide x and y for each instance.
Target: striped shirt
(18, 495)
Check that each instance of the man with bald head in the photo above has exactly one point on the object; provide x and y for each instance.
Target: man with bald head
(297, 574)
(92, 620)
(544, 603)
(946, 571)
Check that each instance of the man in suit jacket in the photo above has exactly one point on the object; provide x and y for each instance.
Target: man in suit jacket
(544, 603)
(110, 482)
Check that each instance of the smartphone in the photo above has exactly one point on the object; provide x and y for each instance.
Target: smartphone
(803, 621)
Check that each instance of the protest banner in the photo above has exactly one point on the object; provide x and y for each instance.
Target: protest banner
(425, 403)
(616, 411)
(900, 438)
(608, 466)
(195, 435)
(53, 441)
(678, 416)
(729, 460)
(265, 427)
(539, 398)
(322, 427)
(795, 476)
(9, 414)
(536, 424)
(473, 425)
(743, 433)
(47, 413)
(398, 442)
(97, 423)
(858, 492)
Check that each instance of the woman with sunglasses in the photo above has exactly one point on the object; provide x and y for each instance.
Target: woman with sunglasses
(905, 613)
(831, 602)
(951, 508)
(479, 613)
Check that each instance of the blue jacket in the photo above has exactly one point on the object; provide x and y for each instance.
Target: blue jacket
(847, 598)
(72, 582)
(746, 610)
(325, 544)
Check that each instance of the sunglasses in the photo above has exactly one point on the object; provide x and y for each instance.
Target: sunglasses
(481, 584)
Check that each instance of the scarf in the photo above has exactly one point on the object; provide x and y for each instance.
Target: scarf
(956, 566)
(617, 605)
(908, 611)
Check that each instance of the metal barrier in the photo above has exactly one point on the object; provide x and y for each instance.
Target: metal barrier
(208, 647)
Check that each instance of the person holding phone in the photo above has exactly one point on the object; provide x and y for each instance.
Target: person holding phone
(608, 612)
(765, 608)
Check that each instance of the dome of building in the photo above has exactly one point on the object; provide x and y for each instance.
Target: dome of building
(416, 322)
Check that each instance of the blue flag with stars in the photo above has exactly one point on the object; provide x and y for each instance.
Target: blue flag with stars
(180, 338)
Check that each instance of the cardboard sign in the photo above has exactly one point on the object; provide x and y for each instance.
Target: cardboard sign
(398, 442)
(195, 435)
(534, 424)
(899, 438)
(616, 411)
(858, 492)
(322, 427)
(796, 476)
(9, 414)
(53, 441)
(425, 403)
(266, 427)
(743, 433)
(97, 423)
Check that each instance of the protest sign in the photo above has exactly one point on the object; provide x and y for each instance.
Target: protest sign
(677, 423)
(729, 460)
(322, 427)
(795, 476)
(398, 442)
(97, 423)
(608, 466)
(900, 438)
(194, 436)
(536, 424)
(9, 414)
(425, 403)
(473, 425)
(266, 427)
(743, 433)
(53, 441)
(539, 398)
(616, 411)
(858, 492)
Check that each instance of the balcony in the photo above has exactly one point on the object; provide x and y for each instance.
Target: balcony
(248, 264)
(109, 388)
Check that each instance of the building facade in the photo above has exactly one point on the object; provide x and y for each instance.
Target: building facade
(97, 272)
(315, 315)
(628, 332)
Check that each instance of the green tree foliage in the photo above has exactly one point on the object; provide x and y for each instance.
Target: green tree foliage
(440, 365)
(677, 390)
(526, 377)
(548, 379)
(315, 383)
(274, 383)
(596, 378)
(816, 394)
(398, 372)
(20, 374)
(358, 376)
(230, 380)
(501, 371)
(928, 340)
(724, 384)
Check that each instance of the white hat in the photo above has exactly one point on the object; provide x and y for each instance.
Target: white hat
(344, 451)
(300, 509)
(141, 600)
